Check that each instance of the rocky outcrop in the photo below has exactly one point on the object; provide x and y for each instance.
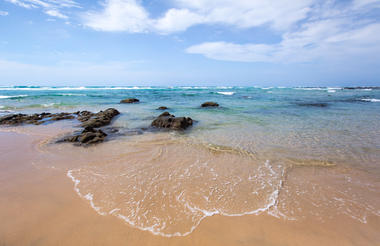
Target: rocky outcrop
(35, 119)
(209, 104)
(88, 136)
(169, 121)
(130, 100)
(90, 121)
(162, 108)
(97, 120)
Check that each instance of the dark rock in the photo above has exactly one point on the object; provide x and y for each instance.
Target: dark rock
(166, 120)
(162, 108)
(62, 116)
(209, 104)
(164, 114)
(84, 115)
(130, 100)
(88, 136)
(320, 105)
(36, 119)
(100, 119)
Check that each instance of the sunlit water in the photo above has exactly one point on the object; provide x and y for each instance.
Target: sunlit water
(288, 152)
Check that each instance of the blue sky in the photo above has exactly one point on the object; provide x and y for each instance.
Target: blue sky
(190, 42)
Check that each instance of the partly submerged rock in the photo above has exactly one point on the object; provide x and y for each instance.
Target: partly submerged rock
(97, 120)
(162, 108)
(169, 121)
(209, 104)
(130, 100)
(88, 136)
(35, 119)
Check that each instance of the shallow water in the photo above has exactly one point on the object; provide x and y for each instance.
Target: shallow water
(292, 153)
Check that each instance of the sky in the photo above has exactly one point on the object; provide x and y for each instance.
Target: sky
(190, 42)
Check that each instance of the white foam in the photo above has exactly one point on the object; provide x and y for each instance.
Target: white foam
(310, 88)
(226, 93)
(199, 214)
(71, 94)
(371, 100)
(17, 96)
(331, 91)
(47, 105)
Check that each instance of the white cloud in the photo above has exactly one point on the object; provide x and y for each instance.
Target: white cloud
(326, 39)
(119, 15)
(50, 7)
(3, 13)
(56, 13)
(131, 16)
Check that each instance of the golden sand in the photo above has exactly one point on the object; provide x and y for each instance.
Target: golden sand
(38, 204)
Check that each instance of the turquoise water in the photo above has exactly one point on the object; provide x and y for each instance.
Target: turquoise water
(323, 123)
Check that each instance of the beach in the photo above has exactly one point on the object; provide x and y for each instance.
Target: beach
(269, 166)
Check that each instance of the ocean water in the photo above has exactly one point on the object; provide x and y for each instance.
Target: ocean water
(289, 152)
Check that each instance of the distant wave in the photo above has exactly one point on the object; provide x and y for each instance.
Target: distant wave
(226, 93)
(68, 94)
(36, 88)
(371, 100)
(17, 96)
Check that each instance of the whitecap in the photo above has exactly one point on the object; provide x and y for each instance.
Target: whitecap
(371, 100)
(226, 93)
(17, 96)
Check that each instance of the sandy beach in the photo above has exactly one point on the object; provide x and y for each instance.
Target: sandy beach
(40, 207)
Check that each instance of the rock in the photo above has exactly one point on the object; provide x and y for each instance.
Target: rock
(164, 114)
(209, 104)
(162, 108)
(88, 136)
(166, 120)
(130, 100)
(100, 119)
(62, 116)
(36, 119)
(320, 105)
(84, 115)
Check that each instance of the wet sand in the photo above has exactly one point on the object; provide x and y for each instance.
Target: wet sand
(38, 206)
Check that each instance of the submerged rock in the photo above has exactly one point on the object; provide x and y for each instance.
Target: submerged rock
(130, 100)
(169, 121)
(320, 105)
(209, 104)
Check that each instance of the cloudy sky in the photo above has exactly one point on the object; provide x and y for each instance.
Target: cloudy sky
(190, 42)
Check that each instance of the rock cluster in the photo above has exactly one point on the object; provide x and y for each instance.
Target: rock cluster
(90, 121)
(35, 119)
(169, 121)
